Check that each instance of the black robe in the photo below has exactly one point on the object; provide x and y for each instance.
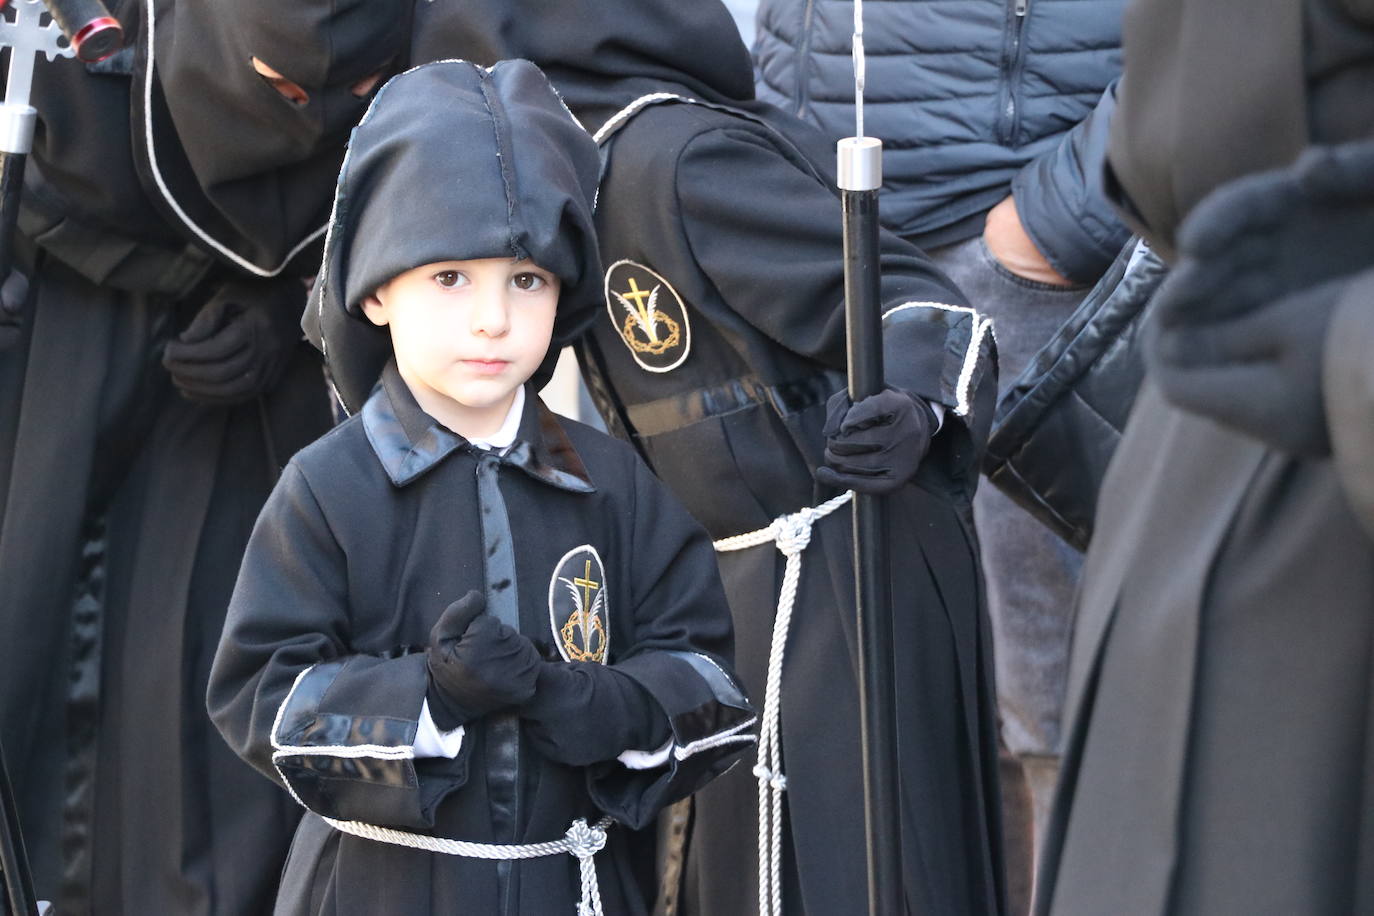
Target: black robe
(125, 511)
(735, 428)
(371, 532)
(729, 220)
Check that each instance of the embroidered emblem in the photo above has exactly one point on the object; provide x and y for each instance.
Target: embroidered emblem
(578, 605)
(649, 315)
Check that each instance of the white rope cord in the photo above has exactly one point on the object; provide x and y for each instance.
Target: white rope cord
(790, 534)
(581, 841)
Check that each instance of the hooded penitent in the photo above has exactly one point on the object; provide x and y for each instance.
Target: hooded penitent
(455, 162)
(250, 167)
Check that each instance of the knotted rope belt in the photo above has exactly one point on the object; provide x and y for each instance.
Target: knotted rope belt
(581, 841)
(790, 534)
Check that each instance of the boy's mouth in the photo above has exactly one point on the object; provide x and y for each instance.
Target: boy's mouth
(486, 366)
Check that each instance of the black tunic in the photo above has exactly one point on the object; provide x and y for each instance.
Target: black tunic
(371, 532)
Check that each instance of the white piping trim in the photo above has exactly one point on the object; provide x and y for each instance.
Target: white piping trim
(615, 120)
(981, 327)
(379, 751)
(729, 736)
(276, 722)
(275, 736)
(166, 192)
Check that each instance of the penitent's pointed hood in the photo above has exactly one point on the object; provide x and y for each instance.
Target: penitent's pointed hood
(596, 52)
(454, 162)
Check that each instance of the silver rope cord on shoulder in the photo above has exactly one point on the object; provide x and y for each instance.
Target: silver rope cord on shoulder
(582, 841)
(791, 534)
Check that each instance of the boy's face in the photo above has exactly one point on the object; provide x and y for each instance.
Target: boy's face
(467, 334)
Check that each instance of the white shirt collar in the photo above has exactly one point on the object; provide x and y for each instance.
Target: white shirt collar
(504, 436)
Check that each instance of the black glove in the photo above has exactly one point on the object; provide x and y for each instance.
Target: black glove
(14, 294)
(583, 713)
(239, 343)
(476, 664)
(1237, 328)
(876, 445)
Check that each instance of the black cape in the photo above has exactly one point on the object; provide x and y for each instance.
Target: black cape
(125, 512)
(727, 218)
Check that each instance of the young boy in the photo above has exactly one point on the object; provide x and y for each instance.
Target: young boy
(462, 621)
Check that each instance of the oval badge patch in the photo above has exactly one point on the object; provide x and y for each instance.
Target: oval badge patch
(649, 315)
(578, 606)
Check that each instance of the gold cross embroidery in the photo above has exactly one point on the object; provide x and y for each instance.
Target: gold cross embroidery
(586, 582)
(646, 321)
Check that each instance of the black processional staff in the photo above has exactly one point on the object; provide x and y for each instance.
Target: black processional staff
(91, 34)
(860, 177)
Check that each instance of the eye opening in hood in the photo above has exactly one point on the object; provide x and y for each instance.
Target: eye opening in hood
(285, 87)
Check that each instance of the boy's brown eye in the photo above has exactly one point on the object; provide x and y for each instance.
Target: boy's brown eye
(447, 278)
(528, 281)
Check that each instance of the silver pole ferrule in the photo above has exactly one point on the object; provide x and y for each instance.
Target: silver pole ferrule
(860, 162)
(16, 128)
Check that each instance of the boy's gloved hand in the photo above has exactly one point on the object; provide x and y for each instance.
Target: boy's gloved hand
(584, 713)
(876, 445)
(476, 664)
(239, 343)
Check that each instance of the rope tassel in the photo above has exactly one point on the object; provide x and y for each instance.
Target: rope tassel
(791, 534)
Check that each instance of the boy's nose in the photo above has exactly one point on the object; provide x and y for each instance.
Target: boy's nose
(491, 313)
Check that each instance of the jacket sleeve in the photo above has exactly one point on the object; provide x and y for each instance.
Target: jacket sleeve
(338, 730)
(1063, 204)
(681, 655)
(769, 236)
(1348, 388)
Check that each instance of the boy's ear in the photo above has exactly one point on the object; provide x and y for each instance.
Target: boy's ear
(375, 311)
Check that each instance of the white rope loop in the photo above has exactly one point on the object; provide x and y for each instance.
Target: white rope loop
(791, 534)
(582, 841)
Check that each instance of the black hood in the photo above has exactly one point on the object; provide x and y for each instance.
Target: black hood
(599, 54)
(455, 162)
(263, 165)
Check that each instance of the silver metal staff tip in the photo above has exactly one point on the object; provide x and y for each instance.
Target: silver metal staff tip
(860, 163)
